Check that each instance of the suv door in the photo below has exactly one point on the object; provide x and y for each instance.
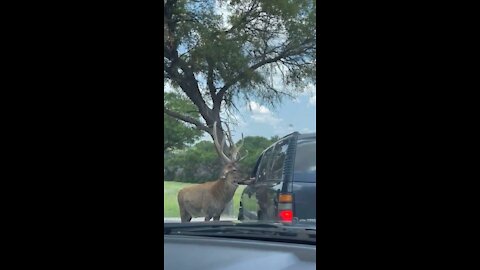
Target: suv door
(305, 178)
(260, 200)
(248, 202)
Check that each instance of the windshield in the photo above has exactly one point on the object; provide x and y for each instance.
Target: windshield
(239, 99)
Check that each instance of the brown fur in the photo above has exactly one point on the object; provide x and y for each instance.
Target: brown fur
(208, 199)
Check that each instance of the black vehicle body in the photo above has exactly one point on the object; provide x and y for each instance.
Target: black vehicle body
(287, 167)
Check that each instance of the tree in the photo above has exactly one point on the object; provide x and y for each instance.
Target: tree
(255, 145)
(215, 63)
(176, 133)
(197, 164)
(200, 163)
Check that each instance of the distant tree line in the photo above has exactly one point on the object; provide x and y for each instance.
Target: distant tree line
(200, 163)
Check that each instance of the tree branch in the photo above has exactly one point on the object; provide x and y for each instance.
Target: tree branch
(244, 20)
(210, 84)
(188, 119)
(286, 53)
(224, 89)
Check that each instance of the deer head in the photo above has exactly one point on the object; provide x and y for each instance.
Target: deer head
(230, 171)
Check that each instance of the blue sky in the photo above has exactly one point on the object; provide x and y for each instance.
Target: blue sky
(290, 116)
(258, 120)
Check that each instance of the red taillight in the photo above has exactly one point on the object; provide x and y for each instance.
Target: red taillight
(285, 209)
(286, 215)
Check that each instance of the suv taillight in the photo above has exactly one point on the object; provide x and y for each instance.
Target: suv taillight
(285, 207)
(286, 215)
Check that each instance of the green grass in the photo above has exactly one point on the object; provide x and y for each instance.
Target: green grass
(170, 204)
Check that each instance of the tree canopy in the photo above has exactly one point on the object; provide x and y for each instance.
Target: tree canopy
(220, 52)
(176, 133)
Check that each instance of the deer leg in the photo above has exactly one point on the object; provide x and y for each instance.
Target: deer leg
(207, 218)
(216, 218)
(184, 215)
(186, 218)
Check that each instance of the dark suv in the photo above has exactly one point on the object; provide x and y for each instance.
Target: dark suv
(284, 182)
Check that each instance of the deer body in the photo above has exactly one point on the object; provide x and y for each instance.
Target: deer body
(205, 200)
(210, 199)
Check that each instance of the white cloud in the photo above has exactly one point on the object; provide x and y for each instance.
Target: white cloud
(310, 89)
(262, 114)
(167, 88)
(257, 108)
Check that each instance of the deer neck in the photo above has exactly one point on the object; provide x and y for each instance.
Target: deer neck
(224, 189)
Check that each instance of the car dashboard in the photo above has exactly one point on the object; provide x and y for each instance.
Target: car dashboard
(195, 252)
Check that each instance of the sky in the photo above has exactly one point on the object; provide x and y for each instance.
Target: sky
(289, 116)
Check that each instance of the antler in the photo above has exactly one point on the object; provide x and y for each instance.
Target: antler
(236, 150)
(233, 152)
(219, 146)
(246, 154)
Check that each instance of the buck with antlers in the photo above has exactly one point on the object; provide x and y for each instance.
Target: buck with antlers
(209, 199)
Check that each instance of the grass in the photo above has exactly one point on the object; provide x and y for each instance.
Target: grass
(170, 204)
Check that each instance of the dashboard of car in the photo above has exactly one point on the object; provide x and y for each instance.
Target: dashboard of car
(195, 252)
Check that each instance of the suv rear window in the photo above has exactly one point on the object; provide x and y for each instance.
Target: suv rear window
(275, 170)
(306, 161)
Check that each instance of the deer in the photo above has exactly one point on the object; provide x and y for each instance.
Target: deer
(210, 199)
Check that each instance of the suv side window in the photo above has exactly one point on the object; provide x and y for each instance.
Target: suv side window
(261, 173)
(255, 170)
(275, 167)
(306, 160)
